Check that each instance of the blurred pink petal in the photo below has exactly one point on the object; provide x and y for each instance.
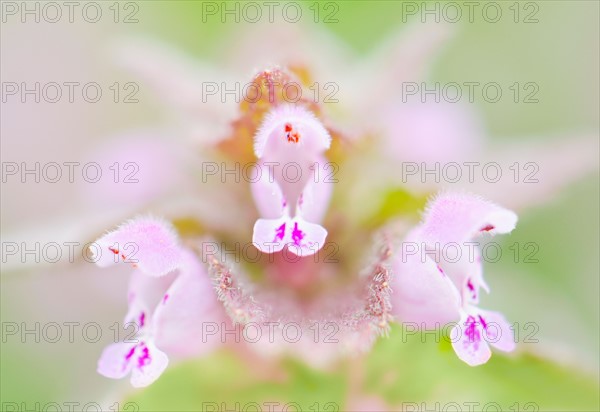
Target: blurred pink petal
(186, 85)
(406, 55)
(257, 47)
(358, 403)
(138, 168)
(431, 132)
(537, 171)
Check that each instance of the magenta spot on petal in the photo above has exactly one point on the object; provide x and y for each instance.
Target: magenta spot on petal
(483, 322)
(145, 358)
(142, 319)
(471, 288)
(165, 298)
(440, 269)
(472, 332)
(297, 235)
(490, 334)
(128, 357)
(487, 228)
(130, 354)
(279, 233)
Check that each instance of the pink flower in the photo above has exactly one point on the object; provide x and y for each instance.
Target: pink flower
(436, 284)
(167, 311)
(290, 137)
(349, 286)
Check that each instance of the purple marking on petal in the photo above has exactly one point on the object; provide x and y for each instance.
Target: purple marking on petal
(145, 359)
(483, 322)
(142, 319)
(279, 233)
(165, 298)
(441, 270)
(297, 235)
(130, 353)
(471, 288)
(490, 334)
(472, 332)
(128, 356)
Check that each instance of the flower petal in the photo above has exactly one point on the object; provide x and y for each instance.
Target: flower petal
(304, 238)
(189, 304)
(145, 291)
(135, 180)
(149, 243)
(115, 361)
(314, 201)
(148, 364)
(289, 127)
(269, 234)
(431, 132)
(468, 340)
(179, 81)
(267, 194)
(498, 331)
(422, 292)
(458, 217)
(405, 55)
(537, 180)
(301, 237)
(463, 265)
